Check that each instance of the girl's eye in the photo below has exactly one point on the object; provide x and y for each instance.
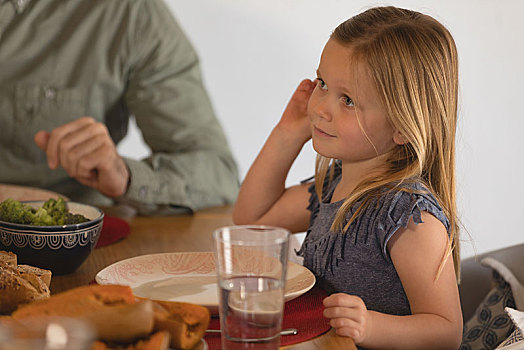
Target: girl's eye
(321, 84)
(348, 101)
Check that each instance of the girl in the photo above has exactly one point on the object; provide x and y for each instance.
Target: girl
(381, 223)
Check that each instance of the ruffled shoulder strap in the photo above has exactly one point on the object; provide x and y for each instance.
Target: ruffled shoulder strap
(402, 204)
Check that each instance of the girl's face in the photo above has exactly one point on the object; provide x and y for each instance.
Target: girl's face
(347, 119)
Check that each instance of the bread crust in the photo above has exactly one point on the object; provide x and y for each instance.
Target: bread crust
(187, 323)
(19, 288)
(44, 275)
(112, 310)
(7, 257)
(121, 319)
(123, 323)
(157, 341)
(78, 301)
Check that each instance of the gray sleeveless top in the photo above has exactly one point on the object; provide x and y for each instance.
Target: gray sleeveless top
(357, 261)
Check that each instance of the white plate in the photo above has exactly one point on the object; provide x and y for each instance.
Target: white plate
(186, 277)
(24, 193)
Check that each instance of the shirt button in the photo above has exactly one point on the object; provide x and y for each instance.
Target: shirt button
(50, 93)
(142, 192)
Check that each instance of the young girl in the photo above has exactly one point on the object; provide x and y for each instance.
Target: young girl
(382, 233)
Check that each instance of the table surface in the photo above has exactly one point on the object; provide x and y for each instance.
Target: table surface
(180, 233)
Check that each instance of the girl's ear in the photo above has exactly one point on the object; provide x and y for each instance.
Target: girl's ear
(399, 138)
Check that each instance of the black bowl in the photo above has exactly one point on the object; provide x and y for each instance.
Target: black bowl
(61, 249)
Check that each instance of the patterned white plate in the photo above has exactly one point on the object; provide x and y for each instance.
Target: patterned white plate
(25, 193)
(186, 277)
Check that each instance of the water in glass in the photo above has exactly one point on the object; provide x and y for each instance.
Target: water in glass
(252, 310)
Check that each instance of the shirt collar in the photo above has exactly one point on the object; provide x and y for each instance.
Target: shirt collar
(20, 5)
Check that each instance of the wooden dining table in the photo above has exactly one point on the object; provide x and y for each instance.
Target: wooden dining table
(168, 234)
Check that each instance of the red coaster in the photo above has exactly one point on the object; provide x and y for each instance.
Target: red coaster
(304, 313)
(113, 230)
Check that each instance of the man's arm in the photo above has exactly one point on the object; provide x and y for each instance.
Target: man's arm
(191, 164)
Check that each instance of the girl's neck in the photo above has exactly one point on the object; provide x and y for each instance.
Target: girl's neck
(353, 174)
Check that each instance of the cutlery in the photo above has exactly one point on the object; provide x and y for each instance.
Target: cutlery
(288, 331)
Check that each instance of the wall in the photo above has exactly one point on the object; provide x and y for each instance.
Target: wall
(254, 53)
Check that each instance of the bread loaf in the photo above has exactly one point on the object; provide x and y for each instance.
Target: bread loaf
(187, 323)
(78, 301)
(112, 310)
(44, 275)
(7, 258)
(157, 341)
(121, 320)
(19, 288)
(123, 323)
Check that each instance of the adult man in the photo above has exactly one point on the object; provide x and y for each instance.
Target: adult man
(106, 59)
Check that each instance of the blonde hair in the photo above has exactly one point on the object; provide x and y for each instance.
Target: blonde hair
(412, 61)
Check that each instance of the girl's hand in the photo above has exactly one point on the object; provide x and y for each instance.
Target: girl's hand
(348, 315)
(295, 120)
(264, 198)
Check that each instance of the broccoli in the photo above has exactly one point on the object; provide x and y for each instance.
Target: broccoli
(42, 218)
(70, 219)
(13, 211)
(56, 209)
(53, 212)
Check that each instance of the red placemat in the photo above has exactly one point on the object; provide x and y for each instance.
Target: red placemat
(303, 313)
(113, 229)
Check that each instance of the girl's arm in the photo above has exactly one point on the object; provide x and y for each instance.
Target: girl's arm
(263, 198)
(436, 320)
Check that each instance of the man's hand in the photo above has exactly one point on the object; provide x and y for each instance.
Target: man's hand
(86, 151)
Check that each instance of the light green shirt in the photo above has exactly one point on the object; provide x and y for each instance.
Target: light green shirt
(108, 59)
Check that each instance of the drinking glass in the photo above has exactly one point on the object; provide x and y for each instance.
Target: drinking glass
(46, 333)
(251, 264)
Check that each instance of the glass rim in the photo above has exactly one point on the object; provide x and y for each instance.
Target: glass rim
(255, 242)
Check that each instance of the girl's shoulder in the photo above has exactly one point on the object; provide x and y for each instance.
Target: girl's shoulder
(403, 202)
(408, 199)
(388, 207)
